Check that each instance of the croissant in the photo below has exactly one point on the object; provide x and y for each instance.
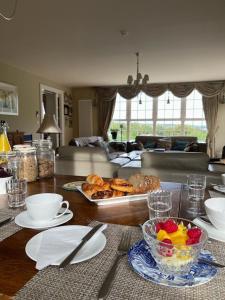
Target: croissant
(95, 179)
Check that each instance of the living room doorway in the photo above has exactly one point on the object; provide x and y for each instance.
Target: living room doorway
(52, 102)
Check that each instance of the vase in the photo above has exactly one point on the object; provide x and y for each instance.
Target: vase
(114, 135)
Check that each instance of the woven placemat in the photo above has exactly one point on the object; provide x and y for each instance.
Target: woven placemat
(9, 228)
(82, 281)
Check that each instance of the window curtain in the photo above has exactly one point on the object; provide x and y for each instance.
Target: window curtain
(106, 99)
(213, 91)
(210, 106)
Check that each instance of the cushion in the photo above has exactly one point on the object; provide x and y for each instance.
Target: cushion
(180, 145)
(165, 143)
(73, 143)
(149, 145)
(192, 147)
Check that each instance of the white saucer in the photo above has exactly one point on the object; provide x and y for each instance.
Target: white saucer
(219, 188)
(24, 220)
(212, 231)
(93, 247)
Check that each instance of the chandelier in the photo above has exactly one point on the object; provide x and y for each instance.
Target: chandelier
(139, 81)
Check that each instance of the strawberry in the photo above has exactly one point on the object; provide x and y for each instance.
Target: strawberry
(158, 226)
(192, 241)
(166, 250)
(194, 233)
(169, 242)
(170, 226)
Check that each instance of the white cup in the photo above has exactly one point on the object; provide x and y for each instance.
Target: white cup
(45, 207)
(215, 209)
(223, 178)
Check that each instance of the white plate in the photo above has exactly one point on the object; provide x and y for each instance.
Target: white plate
(72, 186)
(24, 220)
(219, 188)
(93, 247)
(114, 200)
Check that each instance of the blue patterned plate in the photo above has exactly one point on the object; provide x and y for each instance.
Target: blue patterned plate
(142, 262)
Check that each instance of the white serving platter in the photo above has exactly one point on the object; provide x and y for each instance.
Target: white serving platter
(115, 200)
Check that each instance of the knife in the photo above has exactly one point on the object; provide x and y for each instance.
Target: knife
(6, 221)
(84, 240)
(205, 218)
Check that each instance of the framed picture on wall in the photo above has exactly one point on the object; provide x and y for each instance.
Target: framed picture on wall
(8, 99)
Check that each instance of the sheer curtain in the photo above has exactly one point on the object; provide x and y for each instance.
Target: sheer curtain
(210, 106)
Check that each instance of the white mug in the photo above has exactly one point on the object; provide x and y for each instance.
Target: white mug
(44, 207)
(215, 209)
(223, 178)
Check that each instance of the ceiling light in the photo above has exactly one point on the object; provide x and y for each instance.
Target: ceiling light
(139, 81)
(10, 17)
(123, 32)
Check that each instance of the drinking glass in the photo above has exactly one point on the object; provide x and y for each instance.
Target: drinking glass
(16, 190)
(159, 204)
(196, 191)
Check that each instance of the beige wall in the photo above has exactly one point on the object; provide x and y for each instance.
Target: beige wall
(84, 94)
(29, 98)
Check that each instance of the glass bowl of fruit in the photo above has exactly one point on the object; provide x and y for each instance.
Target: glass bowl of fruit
(174, 243)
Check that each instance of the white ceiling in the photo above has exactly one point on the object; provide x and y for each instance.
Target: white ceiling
(78, 42)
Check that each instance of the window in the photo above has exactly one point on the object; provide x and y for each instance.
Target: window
(158, 116)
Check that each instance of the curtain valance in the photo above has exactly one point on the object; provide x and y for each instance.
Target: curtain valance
(207, 89)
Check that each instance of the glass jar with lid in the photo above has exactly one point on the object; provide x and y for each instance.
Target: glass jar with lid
(45, 158)
(28, 162)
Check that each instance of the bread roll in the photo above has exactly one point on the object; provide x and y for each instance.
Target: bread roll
(143, 183)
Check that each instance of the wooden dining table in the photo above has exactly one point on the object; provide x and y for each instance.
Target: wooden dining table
(16, 268)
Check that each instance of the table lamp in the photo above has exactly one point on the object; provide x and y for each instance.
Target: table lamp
(49, 125)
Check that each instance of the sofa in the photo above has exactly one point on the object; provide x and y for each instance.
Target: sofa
(174, 143)
(81, 161)
(172, 166)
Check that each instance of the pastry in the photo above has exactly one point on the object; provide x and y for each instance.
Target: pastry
(102, 194)
(95, 179)
(118, 193)
(122, 185)
(88, 188)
